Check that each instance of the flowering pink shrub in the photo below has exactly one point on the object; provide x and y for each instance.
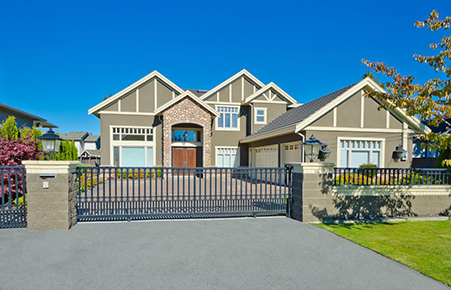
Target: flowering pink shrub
(12, 153)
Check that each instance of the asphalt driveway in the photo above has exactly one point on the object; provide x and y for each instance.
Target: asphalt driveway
(261, 253)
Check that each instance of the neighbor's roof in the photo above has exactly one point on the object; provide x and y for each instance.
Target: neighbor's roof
(92, 138)
(95, 153)
(74, 135)
(42, 122)
(297, 115)
(198, 93)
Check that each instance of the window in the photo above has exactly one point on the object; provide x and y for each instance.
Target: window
(226, 157)
(260, 115)
(228, 118)
(354, 153)
(186, 135)
(132, 134)
(133, 156)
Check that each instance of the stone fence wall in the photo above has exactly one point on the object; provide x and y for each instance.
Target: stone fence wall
(316, 199)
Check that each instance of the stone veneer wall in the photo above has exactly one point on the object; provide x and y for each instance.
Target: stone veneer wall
(186, 111)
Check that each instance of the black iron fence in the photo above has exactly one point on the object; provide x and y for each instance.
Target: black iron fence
(391, 176)
(115, 193)
(13, 207)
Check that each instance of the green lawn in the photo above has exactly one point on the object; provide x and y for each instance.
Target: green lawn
(422, 245)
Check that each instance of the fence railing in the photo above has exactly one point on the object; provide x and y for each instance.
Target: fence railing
(118, 193)
(13, 209)
(391, 176)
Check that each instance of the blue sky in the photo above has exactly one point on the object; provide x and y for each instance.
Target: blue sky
(58, 59)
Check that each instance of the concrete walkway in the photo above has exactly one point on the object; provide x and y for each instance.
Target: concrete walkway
(262, 253)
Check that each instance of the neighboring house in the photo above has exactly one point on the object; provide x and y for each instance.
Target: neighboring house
(91, 152)
(243, 122)
(23, 118)
(424, 156)
(92, 142)
(78, 138)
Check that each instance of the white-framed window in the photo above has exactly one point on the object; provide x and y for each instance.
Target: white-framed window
(132, 146)
(133, 156)
(354, 153)
(132, 134)
(228, 118)
(226, 157)
(260, 115)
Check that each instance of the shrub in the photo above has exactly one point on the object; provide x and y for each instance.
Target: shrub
(354, 179)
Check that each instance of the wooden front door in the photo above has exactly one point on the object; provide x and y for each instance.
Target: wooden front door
(183, 157)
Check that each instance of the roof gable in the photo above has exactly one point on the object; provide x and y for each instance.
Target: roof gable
(187, 94)
(243, 73)
(271, 86)
(133, 86)
(299, 118)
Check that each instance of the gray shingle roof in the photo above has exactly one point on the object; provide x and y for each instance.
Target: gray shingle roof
(198, 93)
(297, 115)
(93, 153)
(73, 135)
(42, 122)
(92, 138)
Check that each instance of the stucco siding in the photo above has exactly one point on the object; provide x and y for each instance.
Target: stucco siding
(348, 113)
(164, 94)
(147, 97)
(325, 121)
(236, 91)
(224, 94)
(272, 111)
(128, 120)
(113, 108)
(372, 117)
(128, 103)
(248, 88)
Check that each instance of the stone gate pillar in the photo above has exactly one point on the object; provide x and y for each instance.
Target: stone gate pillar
(51, 195)
(312, 189)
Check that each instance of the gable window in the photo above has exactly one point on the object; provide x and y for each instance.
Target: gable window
(226, 157)
(354, 153)
(228, 118)
(260, 115)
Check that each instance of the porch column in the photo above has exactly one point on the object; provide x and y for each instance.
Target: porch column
(312, 190)
(51, 195)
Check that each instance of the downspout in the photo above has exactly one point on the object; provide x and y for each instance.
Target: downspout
(252, 131)
(160, 117)
(302, 146)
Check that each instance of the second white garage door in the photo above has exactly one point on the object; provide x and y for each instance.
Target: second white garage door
(267, 156)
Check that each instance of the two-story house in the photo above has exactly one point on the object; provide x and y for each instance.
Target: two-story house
(244, 122)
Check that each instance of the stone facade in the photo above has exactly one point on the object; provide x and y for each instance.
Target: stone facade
(51, 195)
(186, 111)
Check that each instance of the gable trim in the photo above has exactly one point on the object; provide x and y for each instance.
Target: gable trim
(268, 87)
(187, 94)
(154, 74)
(230, 80)
(367, 82)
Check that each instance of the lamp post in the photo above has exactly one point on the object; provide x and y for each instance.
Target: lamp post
(312, 147)
(50, 142)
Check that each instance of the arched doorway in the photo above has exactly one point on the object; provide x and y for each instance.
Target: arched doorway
(187, 145)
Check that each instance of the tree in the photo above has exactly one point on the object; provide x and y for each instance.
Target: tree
(9, 129)
(373, 77)
(430, 101)
(67, 151)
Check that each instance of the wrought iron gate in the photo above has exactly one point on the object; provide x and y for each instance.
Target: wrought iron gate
(119, 193)
(13, 208)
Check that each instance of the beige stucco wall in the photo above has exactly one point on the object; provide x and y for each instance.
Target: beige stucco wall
(272, 111)
(107, 120)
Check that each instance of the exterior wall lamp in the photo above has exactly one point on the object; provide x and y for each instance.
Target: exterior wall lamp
(399, 153)
(50, 142)
(312, 147)
(324, 153)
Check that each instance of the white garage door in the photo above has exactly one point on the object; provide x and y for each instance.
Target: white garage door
(267, 156)
(291, 153)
